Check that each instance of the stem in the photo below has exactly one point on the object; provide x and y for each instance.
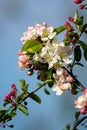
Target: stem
(27, 95)
(83, 29)
(77, 81)
(79, 122)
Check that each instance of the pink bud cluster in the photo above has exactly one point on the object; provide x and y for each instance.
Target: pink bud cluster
(72, 37)
(23, 60)
(81, 6)
(68, 80)
(77, 1)
(81, 102)
(11, 96)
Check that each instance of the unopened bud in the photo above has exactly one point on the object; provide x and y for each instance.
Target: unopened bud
(29, 72)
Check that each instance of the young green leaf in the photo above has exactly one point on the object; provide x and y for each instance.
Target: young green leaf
(12, 114)
(35, 98)
(84, 47)
(22, 83)
(77, 114)
(32, 46)
(60, 29)
(76, 17)
(23, 109)
(38, 84)
(46, 91)
(24, 86)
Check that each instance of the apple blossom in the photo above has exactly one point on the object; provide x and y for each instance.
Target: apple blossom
(81, 102)
(44, 32)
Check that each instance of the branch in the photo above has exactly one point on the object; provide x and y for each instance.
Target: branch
(76, 80)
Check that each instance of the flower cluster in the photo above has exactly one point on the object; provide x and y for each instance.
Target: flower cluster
(44, 32)
(81, 102)
(81, 6)
(53, 62)
(11, 96)
(49, 55)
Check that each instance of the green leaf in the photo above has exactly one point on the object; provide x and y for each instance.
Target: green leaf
(20, 97)
(85, 31)
(35, 98)
(84, 47)
(60, 29)
(23, 109)
(46, 91)
(68, 127)
(2, 112)
(76, 16)
(77, 114)
(49, 74)
(81, 20)
(77, 53)
(22, 83)
(24, 86)
(12, 114)
(32, 46)
(66, 41)
(38, 84)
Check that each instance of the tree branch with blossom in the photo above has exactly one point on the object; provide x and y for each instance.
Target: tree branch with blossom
(53, 61)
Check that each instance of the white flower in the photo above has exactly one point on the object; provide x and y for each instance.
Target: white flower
(44, 32)
(56, 89)
(79, 103)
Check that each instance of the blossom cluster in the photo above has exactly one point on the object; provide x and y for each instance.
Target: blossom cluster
(44, 32)
(81, 102)
(54, 55)
(81, 6)
(11, 96)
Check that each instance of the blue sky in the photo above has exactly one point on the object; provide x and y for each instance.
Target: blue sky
(15, 17)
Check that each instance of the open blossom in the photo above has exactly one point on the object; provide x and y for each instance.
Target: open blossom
(60, 86)
(44, 32)
(81, 102)
(55, 54)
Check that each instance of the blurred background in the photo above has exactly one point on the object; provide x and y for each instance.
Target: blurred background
(15, 16)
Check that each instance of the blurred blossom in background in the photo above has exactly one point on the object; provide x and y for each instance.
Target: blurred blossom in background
(15, 17)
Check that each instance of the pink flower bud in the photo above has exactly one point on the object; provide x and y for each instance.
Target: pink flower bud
(73, 41)
(70, 19)
(21, 66)
(14, 104)
(23, 58)
(66, 23)
(28, 64)
(65, 86)
(69, 79)
(70, 29)
(35, 67)
(83, 111)
(77, 1)
(13, 86)
(13, 92)
(8, 96)
(65, 73)
(85, 91)
(81, 6)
